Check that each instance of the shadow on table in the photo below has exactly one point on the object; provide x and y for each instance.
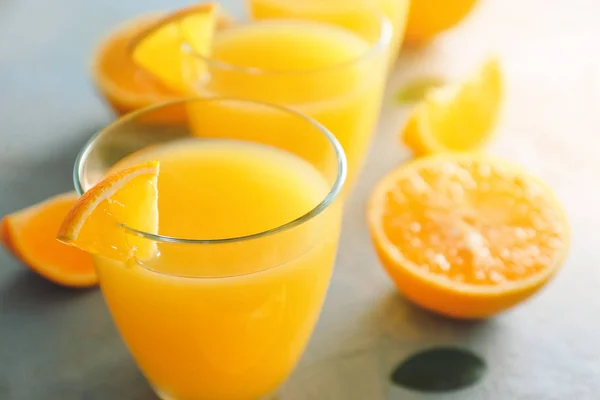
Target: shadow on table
(401, 318)
(26, 291)
(42, 175)
(124, 382)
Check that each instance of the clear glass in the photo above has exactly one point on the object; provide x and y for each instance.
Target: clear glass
(215, 318)
(350, 14)
(344, 96)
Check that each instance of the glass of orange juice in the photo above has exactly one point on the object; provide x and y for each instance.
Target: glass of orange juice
(354, 15)
(332, 74)
(249, 219)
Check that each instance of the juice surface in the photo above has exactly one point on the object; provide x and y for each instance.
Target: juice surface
(324, 71)
(225, 321)
(355, 15)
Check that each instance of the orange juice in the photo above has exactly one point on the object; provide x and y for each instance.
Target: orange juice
(326, 72)
(355, 15)
(227, 319)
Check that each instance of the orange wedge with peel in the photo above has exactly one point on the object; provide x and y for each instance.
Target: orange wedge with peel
(125, 86)
(30, 235)
(160, 48)
(103, 220)
(457, 117)
(465, 235)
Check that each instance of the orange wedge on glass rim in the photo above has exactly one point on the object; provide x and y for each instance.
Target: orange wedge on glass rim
(465, 235)
(457, 117)
(29, 235)
(101, 221)
(125, 85)
(161, 48)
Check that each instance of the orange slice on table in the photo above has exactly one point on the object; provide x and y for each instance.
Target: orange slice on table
(467, 236)
(98, 222)
(30, 235)
(457, 117)
(160, 48)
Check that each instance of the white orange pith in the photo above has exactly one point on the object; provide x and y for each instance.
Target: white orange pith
(457, 117)
(96, 222)
(160, 48)
(465, 235)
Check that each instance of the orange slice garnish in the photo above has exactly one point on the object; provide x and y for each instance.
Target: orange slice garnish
(467, 236)
(160, 48)
(30, 235)
(101, 221)
(125, 85)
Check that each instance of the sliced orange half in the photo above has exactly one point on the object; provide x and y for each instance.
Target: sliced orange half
(29, 234)
(467, 236)
(125, 86)
(160, 48)
(101, 221)
(457, 117)
(123, 83)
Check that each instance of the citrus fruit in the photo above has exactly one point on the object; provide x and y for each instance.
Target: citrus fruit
(29, 234)
(102, 220)
(125, 85)
(457, 117)
(159, 49)
(428, 18)
(465, 235)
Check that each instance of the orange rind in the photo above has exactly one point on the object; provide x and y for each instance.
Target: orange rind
(29, 234)
(105, 219)
(467, 236)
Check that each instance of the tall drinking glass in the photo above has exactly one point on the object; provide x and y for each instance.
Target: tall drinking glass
(249, 219)
(329, 73)
(350, 14)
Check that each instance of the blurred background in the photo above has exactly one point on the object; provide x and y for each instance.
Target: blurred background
(59, 344)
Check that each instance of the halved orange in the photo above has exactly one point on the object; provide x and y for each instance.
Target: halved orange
(457, 117)
(29, 234)
(467, 236)
(101, 221)
(159, 48)
(125, 85)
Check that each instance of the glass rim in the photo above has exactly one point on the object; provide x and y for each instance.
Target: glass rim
(384, 41)
(329, 198)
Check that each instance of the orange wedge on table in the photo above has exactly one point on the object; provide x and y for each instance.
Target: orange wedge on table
(29, 235)
(101, 221)
(457, 117)
(160, 48)
(467, 236)
(127, 85)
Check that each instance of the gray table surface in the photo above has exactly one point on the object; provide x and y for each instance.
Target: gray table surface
(57, 344)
